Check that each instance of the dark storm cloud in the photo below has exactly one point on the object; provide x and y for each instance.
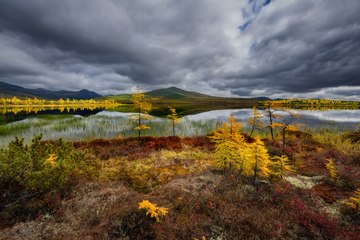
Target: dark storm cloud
(308, 48)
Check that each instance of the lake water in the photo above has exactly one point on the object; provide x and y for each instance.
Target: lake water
(112, 124)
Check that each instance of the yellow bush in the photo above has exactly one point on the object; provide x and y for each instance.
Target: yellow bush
(153, 210)
(330, 166)
(354, 202)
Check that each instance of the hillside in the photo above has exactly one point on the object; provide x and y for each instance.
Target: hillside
(176, 96)
(10, 90)
(174, 93)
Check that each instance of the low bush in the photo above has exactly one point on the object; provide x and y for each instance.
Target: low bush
(29, 173)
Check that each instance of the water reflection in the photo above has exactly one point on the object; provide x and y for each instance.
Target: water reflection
(111, 124)
(343, 119)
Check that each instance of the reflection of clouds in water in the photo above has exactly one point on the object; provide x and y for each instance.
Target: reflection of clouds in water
(351, 116)
(341, 118)
(112, 114)
(108, 124)
(123, 114)
(220, 115)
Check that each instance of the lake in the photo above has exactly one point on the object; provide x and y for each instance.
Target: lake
(97, 123)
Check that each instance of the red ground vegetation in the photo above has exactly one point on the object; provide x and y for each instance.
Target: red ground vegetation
(201, 203)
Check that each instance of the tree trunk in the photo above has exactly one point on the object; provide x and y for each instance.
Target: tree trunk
(139, 125)
(173, 127)
(271, 128)
(255, 169)
(252, 129)
(283, 140)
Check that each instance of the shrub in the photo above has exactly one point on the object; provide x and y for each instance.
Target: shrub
(153, 210)
(354, 201)
(40, 166)
(330, 166)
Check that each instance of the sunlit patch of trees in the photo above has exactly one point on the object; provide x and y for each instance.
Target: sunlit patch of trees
(15, 105)
(233, 152)
(312, 104)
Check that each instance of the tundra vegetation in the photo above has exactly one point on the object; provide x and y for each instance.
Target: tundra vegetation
(227, 185)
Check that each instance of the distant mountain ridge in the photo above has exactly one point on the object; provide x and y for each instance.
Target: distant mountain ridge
(10, 90)
(174, 93)
(175, 96)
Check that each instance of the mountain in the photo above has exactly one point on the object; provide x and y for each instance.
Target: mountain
(10, 90)
(262, 98)
(174, 93)
(164, 94)
(174, 96)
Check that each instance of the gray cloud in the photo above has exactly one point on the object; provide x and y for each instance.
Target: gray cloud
(292, 48)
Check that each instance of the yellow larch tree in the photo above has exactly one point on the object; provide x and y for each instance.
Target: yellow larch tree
(173, 116)
(230, 145)
(258, 160)
(142, 108)
(281, 165)
(330, 166)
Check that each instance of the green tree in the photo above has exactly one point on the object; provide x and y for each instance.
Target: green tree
(174, 118)
(142, 108)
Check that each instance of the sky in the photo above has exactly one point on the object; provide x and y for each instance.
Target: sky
(243, 48)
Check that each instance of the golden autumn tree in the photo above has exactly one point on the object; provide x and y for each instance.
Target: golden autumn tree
(142, 108)
(281, 165)
(254, 121)
(258, 160)
(174, 118)
(230, 145)
(330, 166)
